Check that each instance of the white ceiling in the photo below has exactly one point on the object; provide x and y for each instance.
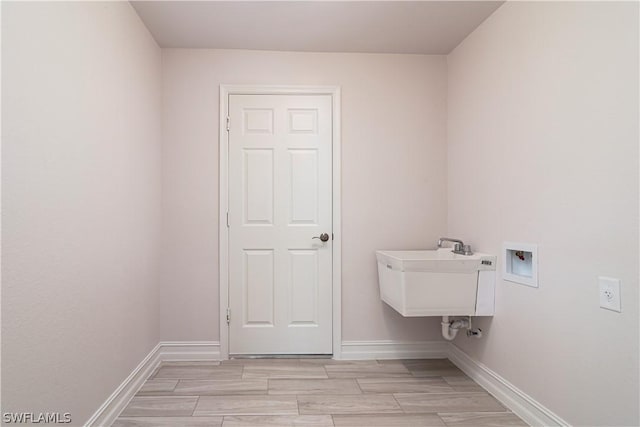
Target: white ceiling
(424, 27)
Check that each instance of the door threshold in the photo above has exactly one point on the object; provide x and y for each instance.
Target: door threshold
(280, 356)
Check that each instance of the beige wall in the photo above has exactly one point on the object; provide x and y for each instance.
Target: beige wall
(543, 148)
(81, 198)
(393, 181)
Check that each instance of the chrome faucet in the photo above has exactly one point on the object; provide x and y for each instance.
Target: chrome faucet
(458, 248)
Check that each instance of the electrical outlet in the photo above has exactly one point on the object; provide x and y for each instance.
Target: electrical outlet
(609, 293)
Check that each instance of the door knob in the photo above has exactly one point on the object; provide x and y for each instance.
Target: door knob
(324, 237)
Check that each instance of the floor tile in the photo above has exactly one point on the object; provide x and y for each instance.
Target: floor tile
(199, 372)
(388, 420)
(463, 383)
(481, 419)
(367, 371)
(313, 392)
(162, 386)
(160, 406)
(186, 363)
(311, 386)
(429, 367)
(168, 422)
(348, 404)
(220, 387)
(262, 361)
(404, 385)
(246, 405)
(280, 421)
(419, 363)
(200, 363)
(337, 362)
(448, 402)
(284, 371)
(445, 371)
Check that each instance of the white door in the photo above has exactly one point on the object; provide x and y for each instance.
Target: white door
(280, 285)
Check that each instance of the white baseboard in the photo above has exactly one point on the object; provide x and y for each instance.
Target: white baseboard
(363, 350)
(189, 350)
(163, 352)
(111, 408)
(520, 403)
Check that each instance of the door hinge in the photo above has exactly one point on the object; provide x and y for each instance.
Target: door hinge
(331, 236)
(227, 123)
(227, 219)
(228, 316)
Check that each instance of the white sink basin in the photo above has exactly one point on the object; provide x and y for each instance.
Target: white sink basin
(437, 282)
(441, 260)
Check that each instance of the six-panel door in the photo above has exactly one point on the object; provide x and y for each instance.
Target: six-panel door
(280, 288)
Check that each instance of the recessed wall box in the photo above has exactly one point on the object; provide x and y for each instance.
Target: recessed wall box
(520, 263)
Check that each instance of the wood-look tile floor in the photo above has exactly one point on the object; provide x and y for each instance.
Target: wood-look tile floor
(313, 393)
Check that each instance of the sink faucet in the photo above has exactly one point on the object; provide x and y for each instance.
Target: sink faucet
(458, 248)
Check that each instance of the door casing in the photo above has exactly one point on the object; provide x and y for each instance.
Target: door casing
(223, 239)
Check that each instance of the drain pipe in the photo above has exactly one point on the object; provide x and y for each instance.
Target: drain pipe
(450, 328)
(448, 333)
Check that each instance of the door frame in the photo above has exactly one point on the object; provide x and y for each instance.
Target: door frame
(223, 198)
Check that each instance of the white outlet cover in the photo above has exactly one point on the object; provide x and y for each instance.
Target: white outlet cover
(609, 290)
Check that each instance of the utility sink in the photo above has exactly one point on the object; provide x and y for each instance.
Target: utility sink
(437, 282)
